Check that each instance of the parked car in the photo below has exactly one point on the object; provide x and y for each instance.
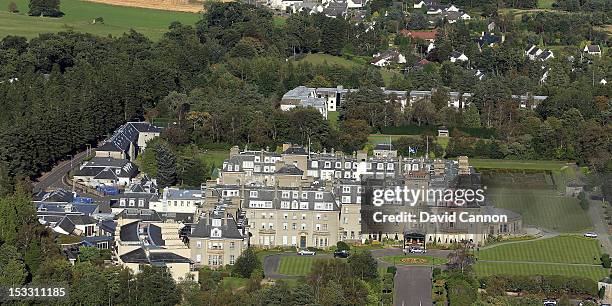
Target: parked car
(550, 302)
(304, 252)
(415, 250)
(341, 254)
(590, 235)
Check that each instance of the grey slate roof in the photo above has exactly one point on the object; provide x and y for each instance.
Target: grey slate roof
(228, 228)
(296, 150)
(129, 232)
(384, 146)
(290, 170)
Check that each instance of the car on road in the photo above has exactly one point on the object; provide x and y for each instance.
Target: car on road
(341, 254)
(415, 250)
(590, 235)
(304, 252)
(550, 302)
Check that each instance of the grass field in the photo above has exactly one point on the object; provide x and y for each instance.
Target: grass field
(296, 265)
(561, 255)
(233, 283)
(560, 249)
(545, 4)
(494, 268)
(517, 164)
(320, 58)
(79, 17)
(333, 119)
(429, 260)
(542, 208)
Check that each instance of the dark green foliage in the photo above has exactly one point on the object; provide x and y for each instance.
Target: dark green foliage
(548, 285)
(392, 269)
(363, 265)
(47, 8)
(166, 166)
(606, 261)
(165, 292)
(247, 263)
(341, 245)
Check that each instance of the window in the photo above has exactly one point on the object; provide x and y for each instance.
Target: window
(304, 195)
(303, 226)
(315, 164)
(285, 216)
(285, 194)
(232, 245)
(338, 165)
(230, 168)
(140, 202)
(257, 159)
(285, 204)
(232, 259)
(390, 166)
(347, 165)
(345, 220)
(199, 244)
(122, 202)
(319, 195)
(303, 205)
(318, 227)
(346, 189)
(285, 225)
(327, 164)
(263, 215)
(380, 166)
(215, 232)
(132, 202)
(293, 226)
(296, 194)
(346, 199)
(303, 217)
(198, 258)
(253, 193)
(318, 216)
(324, 227)
(271, 225)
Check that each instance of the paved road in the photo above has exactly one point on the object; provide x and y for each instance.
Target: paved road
(53, 178)
(596, 214)
(412, 286)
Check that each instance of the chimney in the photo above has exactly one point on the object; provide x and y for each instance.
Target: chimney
(464, 165)
(362, 155)
(235, 150)
(286, 146)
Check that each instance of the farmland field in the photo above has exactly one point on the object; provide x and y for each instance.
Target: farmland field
(561, 255)
(79, 17)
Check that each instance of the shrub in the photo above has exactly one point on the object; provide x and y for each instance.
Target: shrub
(341, 245)
(606, 262)
(392, 269)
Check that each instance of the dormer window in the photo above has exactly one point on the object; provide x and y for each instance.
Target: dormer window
(253, 193)
(216, 222)
(230, 168)
(215, 232)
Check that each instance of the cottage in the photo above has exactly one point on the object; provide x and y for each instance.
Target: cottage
(458, 56)
(388, 58)
(429, 36)
(106, 171)
(592, 50)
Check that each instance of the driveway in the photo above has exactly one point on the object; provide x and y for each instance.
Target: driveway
(412, 286)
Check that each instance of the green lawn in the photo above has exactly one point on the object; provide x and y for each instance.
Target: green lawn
(552, 256)
(79, 17)
(333, 119)
(491, 268)
(320, 58)
(234, 283)
(560, 249)
(517, 164)
(296, 265)
(545, 4)
(430, 260)
(215, 158)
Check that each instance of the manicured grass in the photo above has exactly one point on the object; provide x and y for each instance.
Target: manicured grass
(333, 119)
(517, 164)
(215, 158)
(443, 141)
(493, 268)
(429, 260)
(542, 208)
(384, 138)
(560, 249)
(320, 58)
(545, 4)
(79, 17)
(296, 265)
(233, 283)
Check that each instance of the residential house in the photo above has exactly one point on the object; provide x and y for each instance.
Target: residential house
(592, 50)
(528, 100)
(139, 242)
(385, 150)
(106, 171)
(489, 39)
(216, 240)
(535, 53)
(428, 36)
(302, 96)
(78, 225)
(181, 204)
(458, 56)
(387, 58)
(128, 140)
(420, 65)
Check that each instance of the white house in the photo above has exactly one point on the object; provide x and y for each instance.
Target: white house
(603, 82)
(388, 57)
(592, 50)
(465, 16)
(458, 56)
(452, 8)
(177, 200)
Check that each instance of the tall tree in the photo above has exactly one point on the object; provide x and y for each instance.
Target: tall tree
(166, 166)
